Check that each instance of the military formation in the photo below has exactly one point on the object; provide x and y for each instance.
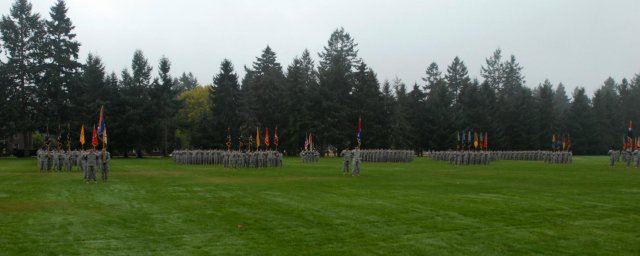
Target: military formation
(486, 157)
(463, 157)
(353, 157)
(310, 156)
(87, 161)
(626, 156)
(230, 159)
(387, 155)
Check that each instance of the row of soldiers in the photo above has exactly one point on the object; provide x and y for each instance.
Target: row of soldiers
(351, 156)
(230, 159)
(627, 156)
(256, 159)
(86, 160)
(557, 157)
(203, 157)
(387, 155)
(310, 156)
(462, 157)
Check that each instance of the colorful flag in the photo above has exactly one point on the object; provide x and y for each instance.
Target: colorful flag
(475, 140)
(564, 142)
(82, 135)
(275, 137)
(486, 140)
(306, 142)
(94, 139)
(553, 142)
(257, 138)
(266, 137)
(310, 142)
(101, 122)
(104, 136)
(480, 140)
(568, 142)
(359, 135)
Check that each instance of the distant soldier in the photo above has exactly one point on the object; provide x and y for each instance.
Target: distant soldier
(104, 161)
(636, 157)
(627, 154)
(612, 157)
(92, 162)
(356, 162)
(346, 156)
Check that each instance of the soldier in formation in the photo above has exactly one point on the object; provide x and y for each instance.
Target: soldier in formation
(310, 156)
(557, 157)
(346, 155)
(357, 158)
(463, 157)
(387, 155)
(612, 157)
(229, 159)
(55, 160)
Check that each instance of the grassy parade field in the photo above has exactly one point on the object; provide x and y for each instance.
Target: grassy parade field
(154, 207)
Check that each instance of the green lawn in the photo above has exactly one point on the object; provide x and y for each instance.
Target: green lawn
(154, 207)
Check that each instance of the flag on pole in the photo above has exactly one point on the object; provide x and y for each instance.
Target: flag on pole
(564, 142)
(275, 137)
(486, 140)
(82, 135)
(553, 142)
(94, 138)
(101, 122)
(568, 142)
(104, 136)
(469, 139)
(310, 142)
(475, 140)
(359, 135)
(257, 138)
(266, 137)
(480, 140)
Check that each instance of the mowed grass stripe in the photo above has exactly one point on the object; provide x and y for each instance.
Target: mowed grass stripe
(153, 206)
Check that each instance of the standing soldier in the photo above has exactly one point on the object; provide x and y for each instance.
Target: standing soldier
(106, 157)
(92, 162)
(612, 157)
(356, 162)
(346, 156)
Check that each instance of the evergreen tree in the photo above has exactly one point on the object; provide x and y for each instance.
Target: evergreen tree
(609, 127)
(185, 82)
(62, 66)
(401, 130)
(300, 102)
(23, 36)
(417, 117)
(224, 96)
(561, 105)
(365, 102)
(493, 71)
(387, 105)
(337, 63)
(433, 76)
(267, 84)
(139, 109)
(581, 125)
(166, 104)
(546, 115)
(457, 76)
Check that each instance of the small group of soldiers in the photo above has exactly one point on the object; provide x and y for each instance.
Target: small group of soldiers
(255, 159)
(527, 155)
(557, 157)
(230, 159)
(310, 156)
(86, 160)
(202, 157)
(463, 157)
(627, 156)
(387, 155)
(351, 157)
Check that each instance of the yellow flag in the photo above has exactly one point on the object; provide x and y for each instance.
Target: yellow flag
(257, 138)
(104, 136)
(82, 135)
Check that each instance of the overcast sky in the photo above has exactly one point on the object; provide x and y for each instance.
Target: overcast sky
(578, 43)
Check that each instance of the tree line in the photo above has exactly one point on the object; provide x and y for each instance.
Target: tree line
(44, 85)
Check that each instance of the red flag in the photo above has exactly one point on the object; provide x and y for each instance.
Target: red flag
(94, 140)
(486, 140)
(306, 142)
(275, 137)
(266, 137)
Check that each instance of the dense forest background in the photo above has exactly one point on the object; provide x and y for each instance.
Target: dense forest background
(44, 86)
